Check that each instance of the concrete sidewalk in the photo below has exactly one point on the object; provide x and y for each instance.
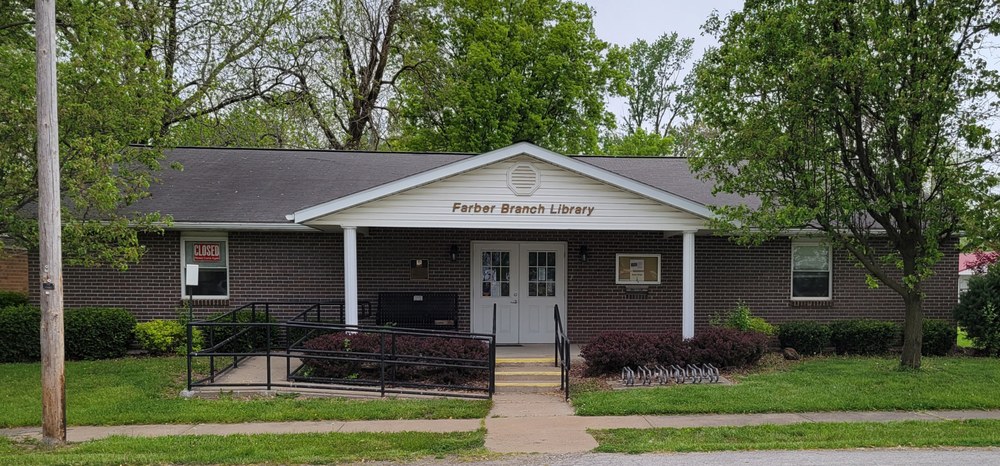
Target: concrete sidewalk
(518, 423)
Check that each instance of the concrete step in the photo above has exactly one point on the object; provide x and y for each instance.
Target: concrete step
(526, 361)
(527, 376)
(527, 387)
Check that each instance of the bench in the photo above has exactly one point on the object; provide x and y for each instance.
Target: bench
(423, 310)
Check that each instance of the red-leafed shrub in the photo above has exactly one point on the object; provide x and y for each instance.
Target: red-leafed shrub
(671, 349)
(610, 351)
(727, 347)
(408, 357)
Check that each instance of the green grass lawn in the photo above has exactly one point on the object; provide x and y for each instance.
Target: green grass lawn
(146, 391)
(250, 449)
(808, 436)
(821, 384)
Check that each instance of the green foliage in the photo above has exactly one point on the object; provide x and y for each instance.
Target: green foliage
(162, 337)
(248, 338)
(939, 337)
(639, 143)
(13, 298)
(865, 337)
(110, 95)
(19, 332)
(98, 332)
(90, 333)
(493, 73)
(741, 318)
(978, 311)
(863, 120)
(807, 337)
(657, 95)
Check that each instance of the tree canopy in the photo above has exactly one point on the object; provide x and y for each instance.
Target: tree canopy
(110, 95)
(492, 73)
(869, 123)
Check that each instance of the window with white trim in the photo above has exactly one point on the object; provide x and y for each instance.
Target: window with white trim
(211, 255)
(812, 271)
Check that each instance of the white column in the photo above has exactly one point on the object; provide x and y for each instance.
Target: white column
(687, 294)
(350, 276)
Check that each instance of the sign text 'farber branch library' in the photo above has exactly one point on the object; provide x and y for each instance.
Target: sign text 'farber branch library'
(515, 209)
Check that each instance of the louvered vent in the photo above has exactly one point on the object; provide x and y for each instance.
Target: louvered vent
(523, 179)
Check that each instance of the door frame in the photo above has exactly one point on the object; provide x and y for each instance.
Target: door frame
(475, 272)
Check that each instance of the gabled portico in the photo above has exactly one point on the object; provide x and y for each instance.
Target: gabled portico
(519, 187)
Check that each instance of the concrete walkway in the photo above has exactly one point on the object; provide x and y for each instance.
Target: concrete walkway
(518, 423)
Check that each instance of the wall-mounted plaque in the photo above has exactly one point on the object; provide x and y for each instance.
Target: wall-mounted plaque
(637, 269)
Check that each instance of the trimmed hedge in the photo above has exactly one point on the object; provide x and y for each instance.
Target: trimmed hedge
(807, 337)
(19, 334)
(90, 333)
(864, 337)
(98, 332)
(408, 347)
(939, 337)
(610, 351)
(13, 299)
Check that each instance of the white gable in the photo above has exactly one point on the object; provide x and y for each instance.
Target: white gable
(519, 192)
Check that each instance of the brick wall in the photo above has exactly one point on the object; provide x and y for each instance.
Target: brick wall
(14, 270)
(266, 266)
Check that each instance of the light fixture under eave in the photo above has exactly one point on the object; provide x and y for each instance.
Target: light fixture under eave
(454, 252)
(583, 253)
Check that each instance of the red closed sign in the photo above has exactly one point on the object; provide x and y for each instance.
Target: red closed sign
(207, 252)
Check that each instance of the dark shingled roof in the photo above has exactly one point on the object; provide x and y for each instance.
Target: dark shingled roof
(263, 185)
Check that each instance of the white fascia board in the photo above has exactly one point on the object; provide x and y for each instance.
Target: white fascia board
(235, 226)
(478, 161)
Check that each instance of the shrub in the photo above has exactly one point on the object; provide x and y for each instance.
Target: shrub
(408, 348)
(978, 312)
(90, 333)
(728, 347)
(19, 332)
(741, 318)
(610, 351)
(12, 299)
(98, 332)
(806, 337)
(939, 337)
(160, 337)
(250, 339)
(865, 337)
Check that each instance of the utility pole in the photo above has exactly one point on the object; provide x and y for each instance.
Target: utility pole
(49, 228)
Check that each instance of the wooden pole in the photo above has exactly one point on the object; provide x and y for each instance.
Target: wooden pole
(49, 228)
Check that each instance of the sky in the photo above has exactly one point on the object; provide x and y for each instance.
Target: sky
(623, 21)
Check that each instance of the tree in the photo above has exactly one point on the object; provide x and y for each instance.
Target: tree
(110, 95)
(498, 72)
(657, 95)
(638, 143)
(866, 122)
(347, 59)
(213, 54)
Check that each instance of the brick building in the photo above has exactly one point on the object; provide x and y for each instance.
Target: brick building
(14, 270)
(616, 243)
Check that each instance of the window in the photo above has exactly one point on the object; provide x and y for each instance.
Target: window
(211, 255)
(541, 273)
(812, 275)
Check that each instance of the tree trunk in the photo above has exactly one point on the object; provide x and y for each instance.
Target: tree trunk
(913, 330)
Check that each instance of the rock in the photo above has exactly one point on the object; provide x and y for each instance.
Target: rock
(790, 354)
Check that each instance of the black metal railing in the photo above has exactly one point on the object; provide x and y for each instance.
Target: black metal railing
(389, 364)
(563, 355)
